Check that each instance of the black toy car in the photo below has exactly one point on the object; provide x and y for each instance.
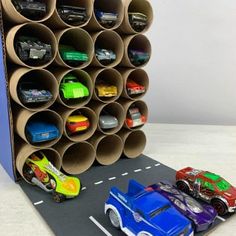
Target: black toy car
(30, 92)
(107, 19)
(30, 48)
(34, 9)
(138, 21)
(72, 14)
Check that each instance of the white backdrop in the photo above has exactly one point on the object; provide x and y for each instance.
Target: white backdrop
(193, 66)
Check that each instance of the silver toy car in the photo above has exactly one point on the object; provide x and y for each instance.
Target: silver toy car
(107, 121)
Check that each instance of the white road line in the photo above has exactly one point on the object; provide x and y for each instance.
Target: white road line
(138, 170)
(84, 188)
(112, 178)
(38, 203)
(157, 164)
(99, 226)
(220, 218)
(148, 167)
(97, 183)
(124, 174)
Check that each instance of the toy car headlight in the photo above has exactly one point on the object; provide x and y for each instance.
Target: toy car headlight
(193, 205)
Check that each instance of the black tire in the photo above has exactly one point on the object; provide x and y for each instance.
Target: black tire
(114, 218)
(183, 187)
(22, 54)
(28, 173)
(219, 206)
(58, 197)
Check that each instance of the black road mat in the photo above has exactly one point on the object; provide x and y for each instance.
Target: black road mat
(74, 217)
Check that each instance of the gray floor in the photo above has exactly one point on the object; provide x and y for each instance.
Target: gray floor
(206, 147)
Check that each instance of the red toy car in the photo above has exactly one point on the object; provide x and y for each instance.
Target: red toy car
(77, 123)
(209, 187)
(134, 88)
(135, 118)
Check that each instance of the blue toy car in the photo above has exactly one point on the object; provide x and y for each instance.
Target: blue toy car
(144, 212)
(201, 216)
(38, 131)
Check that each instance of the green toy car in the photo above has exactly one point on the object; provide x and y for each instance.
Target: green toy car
(71, 88)
(71, 56)
(40, 172)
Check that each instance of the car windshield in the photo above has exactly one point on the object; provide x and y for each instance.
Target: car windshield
(223, 185)
(193, 205)
(159, 210)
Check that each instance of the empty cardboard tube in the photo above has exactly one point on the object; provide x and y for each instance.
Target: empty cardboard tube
(114, 109)
(111, 6)
(84, 78)
(110, 77)
(109, 40)
(108, 148)
(42, 78)
(141, 105)
(78, 39)
(134, 142)
(76, 157)
(82, 135)
(137, 42)
(27, 150)
(140, 77)
(40, 31)
(14, 16)
(58, 23)
(23, 116)
(137, 6)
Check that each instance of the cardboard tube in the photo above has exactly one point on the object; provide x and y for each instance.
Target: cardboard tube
(141, 105)
(113, 109)
(43, 78)
(134, 142)
(140, 77)
(42, 32)
(137, 42)
(109, 40)
(140, 6)
(76, 157)
(14, 16)
(22, 117)
(83, 135)
(110, 76)
(56, 21)
(80, 40)
(108, 148)
(84, 78)
(111, 6)
(27, 150)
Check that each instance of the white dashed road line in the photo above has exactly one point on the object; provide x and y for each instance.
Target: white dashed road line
(99, 226)
(112, 178)
(157, 164)
(138, 170)
(38, 203)
(84, 188)
(220, 218)
(148, 167)
(99, 182)
(124, 174)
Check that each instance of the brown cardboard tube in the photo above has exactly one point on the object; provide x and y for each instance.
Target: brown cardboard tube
(134, 142)
(109, 40)
(42, 32)
(113, 109)
(108, 148)
(111, 77)
(43, 78)
(140, 77)
(58, 23)
(113, 6)
(141, 105)
(80, 40)
(140, 6)
(27, 150)
(14, 16)
(22, 117)
(76, 157)
(84, 78)
(83, 135)
(137, 42)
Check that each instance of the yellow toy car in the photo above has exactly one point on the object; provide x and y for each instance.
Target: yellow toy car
(77, 123)
(106, 90)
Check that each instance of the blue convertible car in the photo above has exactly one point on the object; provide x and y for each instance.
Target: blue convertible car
(144, 212)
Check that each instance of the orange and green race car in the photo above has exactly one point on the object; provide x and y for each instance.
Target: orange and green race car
(77, 123)
(39, 171)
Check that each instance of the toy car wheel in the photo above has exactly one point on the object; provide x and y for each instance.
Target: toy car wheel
(183, 187)
(114, 218)
(22, 54)
(220, 207)
(28, 173)
(58, 197)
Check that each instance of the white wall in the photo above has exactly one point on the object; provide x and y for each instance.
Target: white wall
(193, 66)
